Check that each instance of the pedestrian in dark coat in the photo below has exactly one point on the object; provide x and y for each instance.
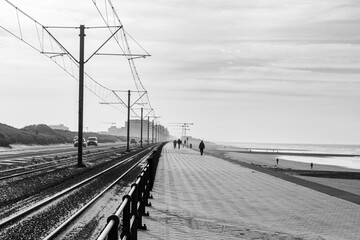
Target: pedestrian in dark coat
(174, 143)
(179, 143)
(202, 147)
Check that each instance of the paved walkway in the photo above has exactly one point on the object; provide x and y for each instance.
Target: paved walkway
(203, 197)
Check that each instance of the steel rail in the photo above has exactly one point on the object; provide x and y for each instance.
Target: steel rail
(48, 200)
(132, 207)
(65, 224)
(111, 223)
(63, 162)
(43, 154)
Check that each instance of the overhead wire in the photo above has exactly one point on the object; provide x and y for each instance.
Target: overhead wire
(54, 52)
(37, 32)
(19, 25)
(68, 62)
(125, 45)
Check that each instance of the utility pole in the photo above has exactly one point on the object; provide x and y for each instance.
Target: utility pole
(156, 133)
(141, 129)
(152, 132)
(129, 108)
(148, 132)
(60, 51)
(81, 95)
(160, 130)
(128, 124)
(160, 134)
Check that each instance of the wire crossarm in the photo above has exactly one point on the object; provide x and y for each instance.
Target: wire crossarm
(144, 92)
(42, 40)
(112, 35)
(108, 8)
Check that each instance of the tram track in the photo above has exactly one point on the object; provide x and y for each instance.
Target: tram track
(35, 157)
(71, 220)
(60, 162)
(84, 189)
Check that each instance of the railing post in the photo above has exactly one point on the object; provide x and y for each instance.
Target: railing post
(142, 195)
(151, 171)
(134, 210)
(126, 218)
(133, 204)
(147, 187)
(135, 207)
(113, 234)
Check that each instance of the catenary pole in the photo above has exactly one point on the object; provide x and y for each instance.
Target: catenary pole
(159, 133)
(128, 124)
(148, 132)
(141, 129)
(156, 133)
(152, 132)
(81, 95)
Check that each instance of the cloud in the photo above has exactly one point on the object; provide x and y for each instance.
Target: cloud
(227, 53)
(231, 90)
(337, 70)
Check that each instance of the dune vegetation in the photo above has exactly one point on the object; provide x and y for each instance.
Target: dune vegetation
(42, 134)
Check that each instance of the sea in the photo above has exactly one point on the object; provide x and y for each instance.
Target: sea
(350, 153)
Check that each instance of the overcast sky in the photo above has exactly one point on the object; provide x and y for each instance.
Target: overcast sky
(246, 71)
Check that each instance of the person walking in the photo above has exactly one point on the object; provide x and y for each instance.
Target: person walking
(174, 143)
(311, 165)
(179, 143)
(202, 147)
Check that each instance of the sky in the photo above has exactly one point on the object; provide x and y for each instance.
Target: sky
(268, 71)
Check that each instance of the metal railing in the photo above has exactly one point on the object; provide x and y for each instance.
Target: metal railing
(133, 204)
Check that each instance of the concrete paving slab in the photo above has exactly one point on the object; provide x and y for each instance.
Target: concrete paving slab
(203, 197)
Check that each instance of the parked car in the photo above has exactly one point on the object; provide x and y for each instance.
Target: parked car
(133, 141)
(92, 141)
(76, 142)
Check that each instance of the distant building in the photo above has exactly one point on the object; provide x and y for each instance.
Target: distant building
(59, 127)
(135, 130)
(113, 130)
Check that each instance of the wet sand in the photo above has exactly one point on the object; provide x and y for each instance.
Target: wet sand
(343, 179)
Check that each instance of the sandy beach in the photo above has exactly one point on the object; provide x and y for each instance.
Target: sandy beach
(345, 179)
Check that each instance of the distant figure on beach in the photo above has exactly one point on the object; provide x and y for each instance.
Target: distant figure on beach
(179, 143)
(277, 161)
(202, 147)
(174, 143)
(311, 165)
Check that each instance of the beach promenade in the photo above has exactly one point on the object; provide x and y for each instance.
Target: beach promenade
(204, 197)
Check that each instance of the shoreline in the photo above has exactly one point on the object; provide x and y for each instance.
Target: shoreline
(307, 154)
(324, 178)
(267, 158)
